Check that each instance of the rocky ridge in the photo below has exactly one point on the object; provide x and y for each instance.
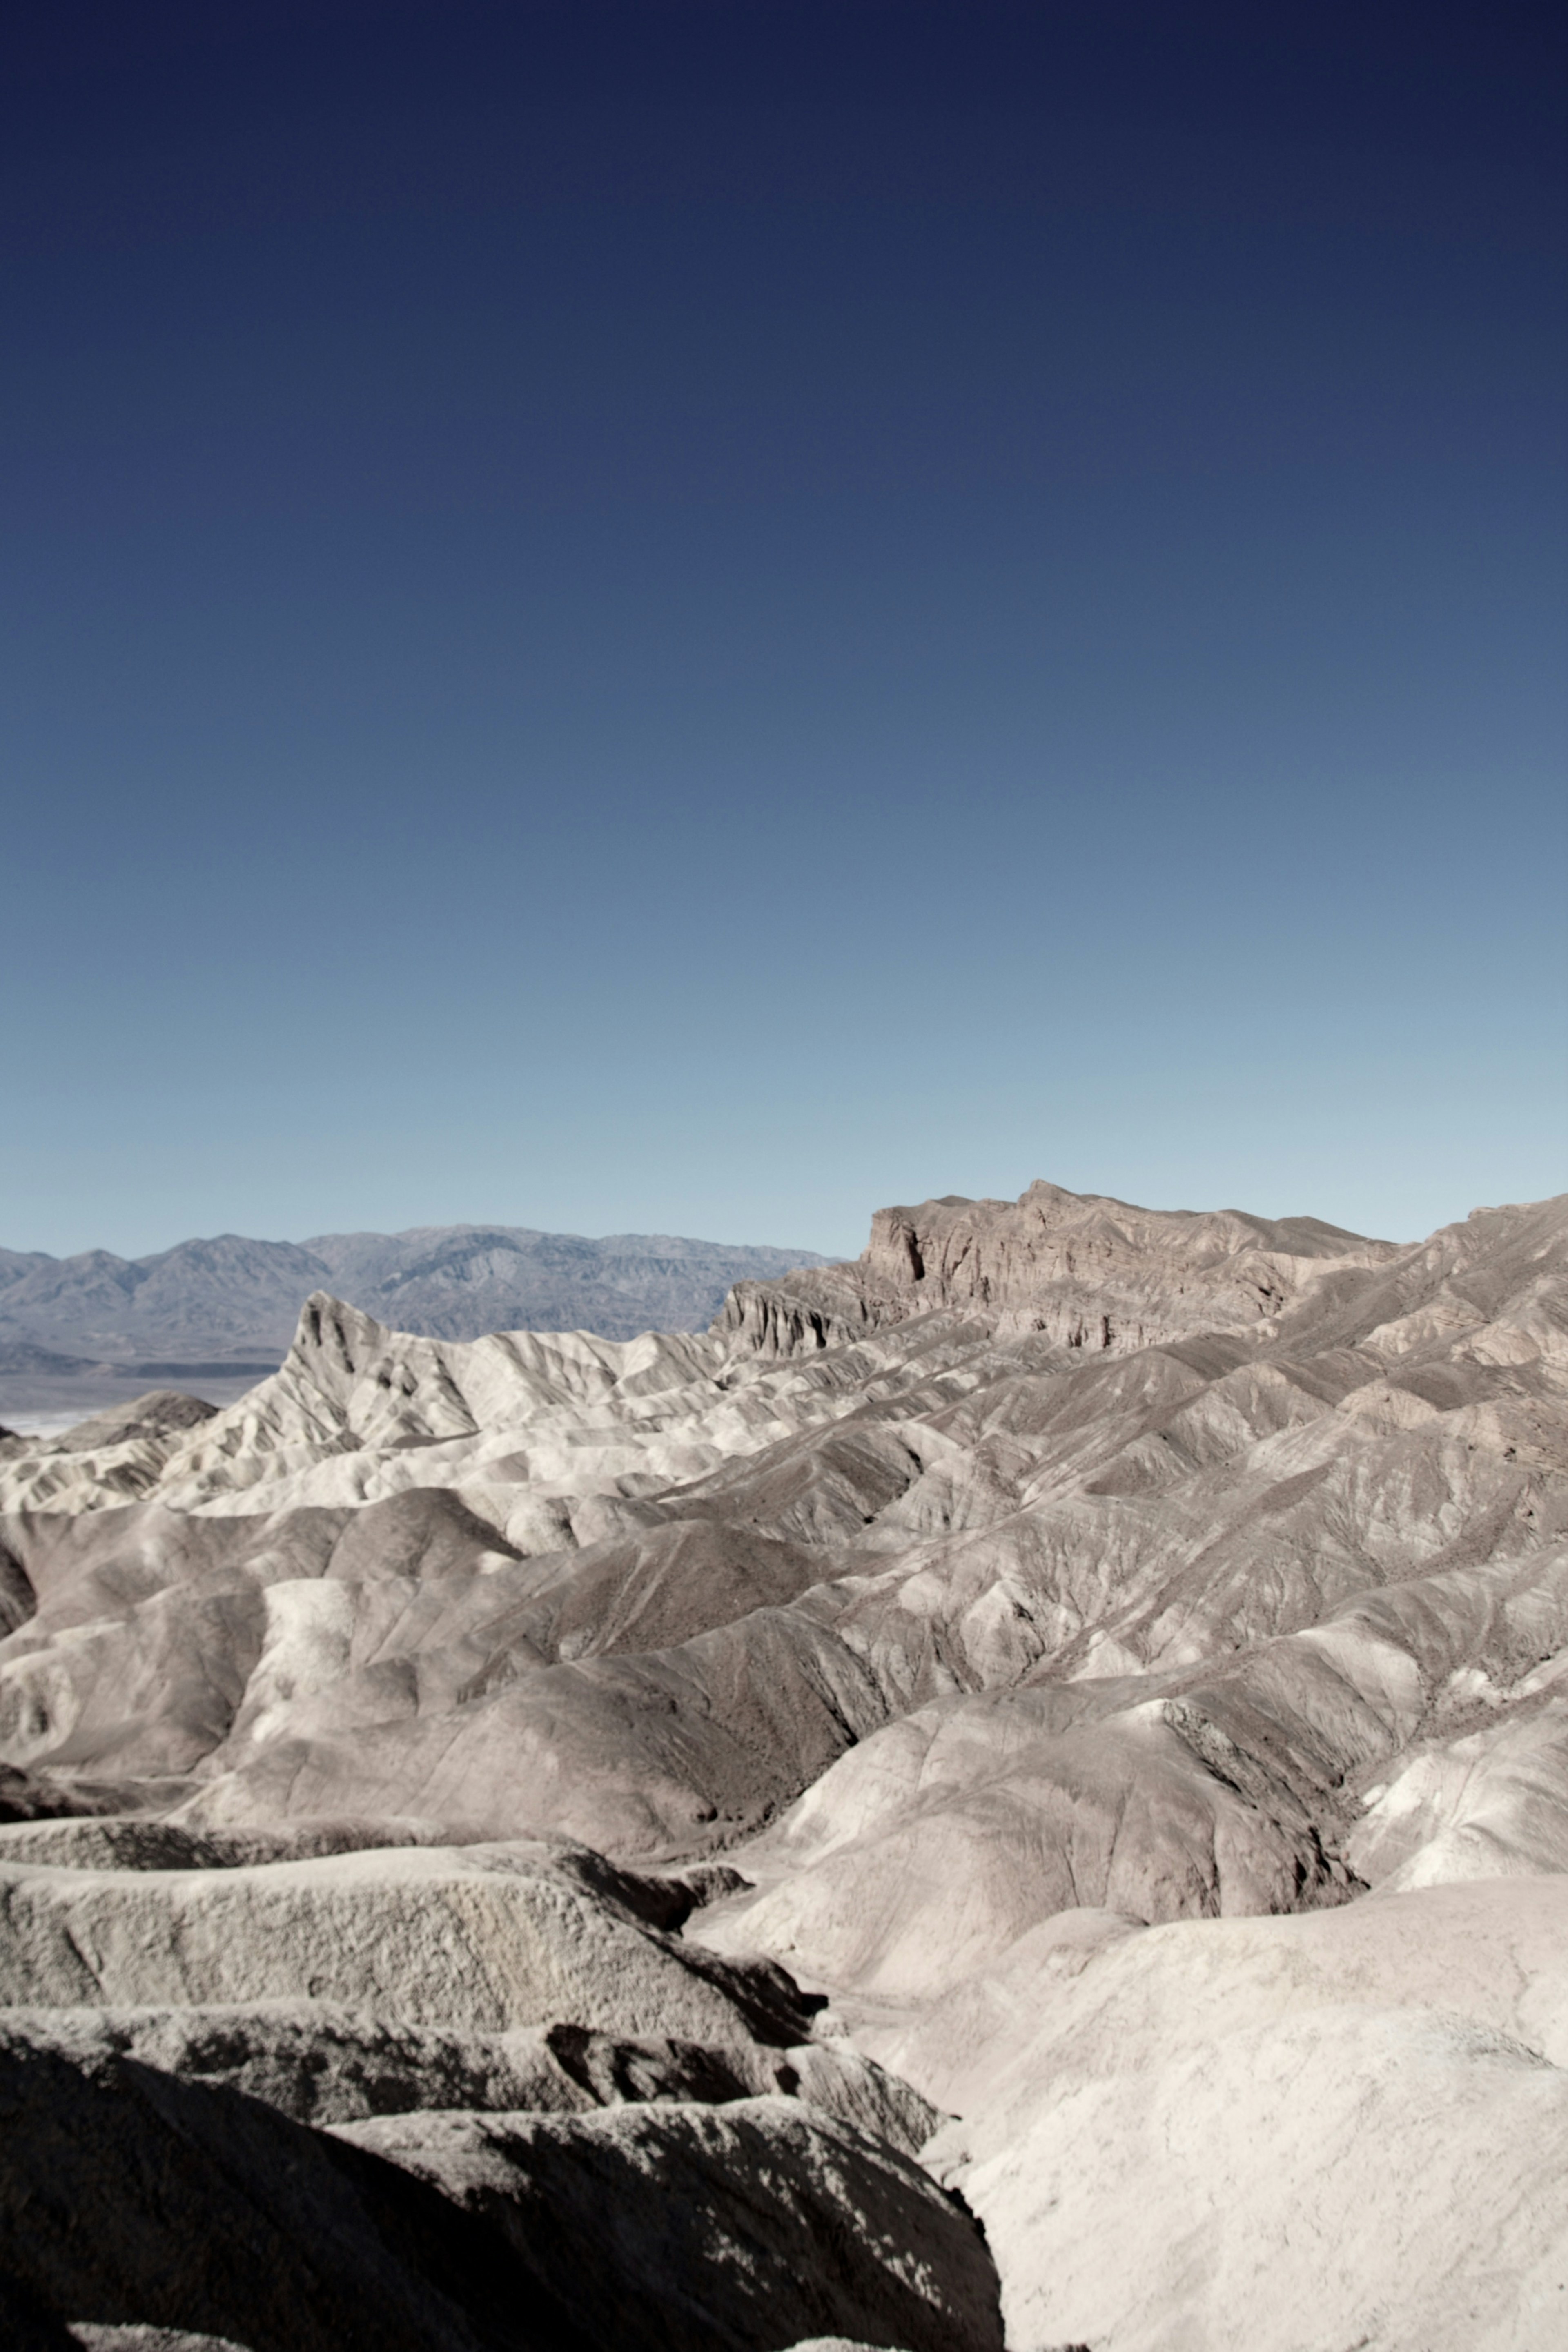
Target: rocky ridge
(1090, 1669)
(218, 1314)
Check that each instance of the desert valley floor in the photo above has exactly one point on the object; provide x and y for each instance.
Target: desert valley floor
(1015, 1793)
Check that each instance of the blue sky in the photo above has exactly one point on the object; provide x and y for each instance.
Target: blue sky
(701, 618)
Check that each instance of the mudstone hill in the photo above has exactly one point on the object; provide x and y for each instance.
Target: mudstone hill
(1014, 1791)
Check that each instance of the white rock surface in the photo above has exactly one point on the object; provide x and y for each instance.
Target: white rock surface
(149, 2339)
(1349, 2177)
(488, 1937)
(1344, 2128)
(321, 2062)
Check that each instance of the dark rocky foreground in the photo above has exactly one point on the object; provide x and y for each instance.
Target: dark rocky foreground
(1023, 1780)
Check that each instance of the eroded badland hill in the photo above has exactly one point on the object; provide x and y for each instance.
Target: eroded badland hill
(1016, 1790)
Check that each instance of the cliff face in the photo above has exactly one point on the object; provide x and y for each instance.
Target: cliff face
(1086, 1272)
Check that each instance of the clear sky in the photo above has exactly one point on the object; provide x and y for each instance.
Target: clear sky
(700, 618)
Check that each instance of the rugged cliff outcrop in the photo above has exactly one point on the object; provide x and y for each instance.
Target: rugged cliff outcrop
(1091, 1273)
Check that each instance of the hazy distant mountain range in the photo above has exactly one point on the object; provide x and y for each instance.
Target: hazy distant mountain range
(231, 1304)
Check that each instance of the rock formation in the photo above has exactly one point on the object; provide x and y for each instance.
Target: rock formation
(1102, 1672)
(217, 1315)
